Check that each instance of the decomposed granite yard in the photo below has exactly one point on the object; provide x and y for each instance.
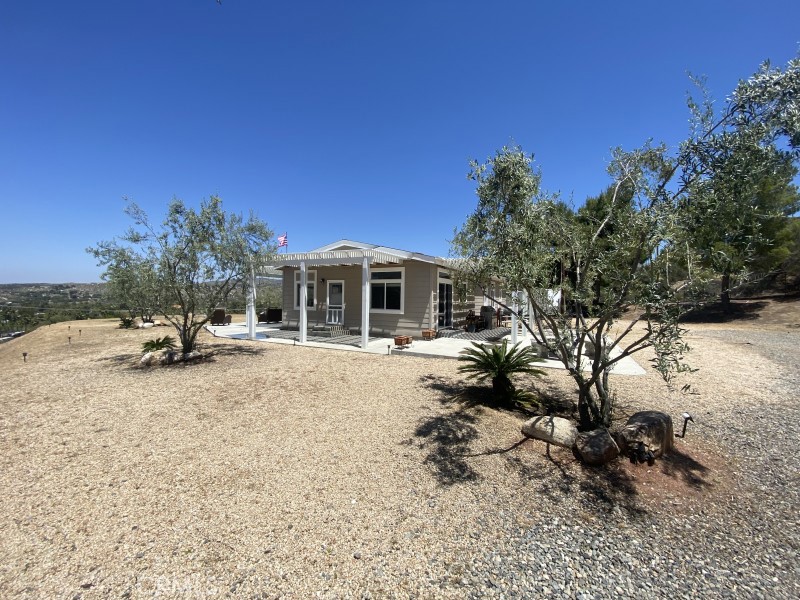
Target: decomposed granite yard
(272, 471)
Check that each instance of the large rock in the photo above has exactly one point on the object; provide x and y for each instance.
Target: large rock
(596, 447)
(147, 359)
(553, 430)
(652, 428)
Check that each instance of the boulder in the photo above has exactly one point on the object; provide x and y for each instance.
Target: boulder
(596, 447)
(553, 430)
(147, 359)
(652, 428)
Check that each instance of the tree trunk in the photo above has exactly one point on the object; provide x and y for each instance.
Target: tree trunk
(594, 411)
(586, 409)
(725, 293)
(187, 340)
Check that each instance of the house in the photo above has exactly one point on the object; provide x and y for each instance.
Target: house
(370, 290)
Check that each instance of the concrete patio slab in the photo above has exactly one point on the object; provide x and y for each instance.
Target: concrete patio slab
(437, 348)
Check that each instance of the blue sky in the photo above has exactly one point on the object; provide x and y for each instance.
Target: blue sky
(335, 119)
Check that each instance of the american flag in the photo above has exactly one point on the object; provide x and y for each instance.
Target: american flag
(283, 240)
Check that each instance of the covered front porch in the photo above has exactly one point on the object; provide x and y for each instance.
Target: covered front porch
(362, 292)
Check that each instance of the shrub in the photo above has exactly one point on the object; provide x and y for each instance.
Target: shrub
(125, 323)
(165, 343)
(483, 362)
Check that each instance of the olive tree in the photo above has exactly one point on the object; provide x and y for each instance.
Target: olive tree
(616, 254)
(741, 200)
(131, 284)
(187, 266)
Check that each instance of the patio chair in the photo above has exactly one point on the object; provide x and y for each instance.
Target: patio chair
(219, 317)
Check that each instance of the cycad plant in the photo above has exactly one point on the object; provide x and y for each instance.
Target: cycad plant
(165, 343)
(499, 363)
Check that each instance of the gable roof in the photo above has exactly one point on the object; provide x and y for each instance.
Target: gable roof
(349, 252)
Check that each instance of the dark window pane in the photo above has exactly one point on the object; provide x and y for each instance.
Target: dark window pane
(393, 296)
(387, 275)
(310, 298)
(377, 295)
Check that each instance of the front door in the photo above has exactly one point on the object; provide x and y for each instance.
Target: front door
(335, 303)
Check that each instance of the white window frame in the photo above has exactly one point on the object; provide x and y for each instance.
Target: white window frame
(402, 281)
(311, 280)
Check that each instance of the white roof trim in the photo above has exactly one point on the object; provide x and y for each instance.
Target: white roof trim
(352, 244)
(337, 257)
(328, 256)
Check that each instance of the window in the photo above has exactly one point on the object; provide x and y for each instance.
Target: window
(311, 287)
(386, 290)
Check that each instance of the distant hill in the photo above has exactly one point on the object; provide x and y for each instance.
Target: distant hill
(25, 306)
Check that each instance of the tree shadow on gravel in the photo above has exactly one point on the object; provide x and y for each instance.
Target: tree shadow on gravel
(470, 395)
(553, 472)
(130, 361)
(120, 359)
(598, 488)
(447, 439)
(232, 350)
(680, 465)
(714, 313)
(466, 396)
(126, 362)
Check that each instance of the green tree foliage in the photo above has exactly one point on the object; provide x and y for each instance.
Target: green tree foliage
(616, 253)
(781, 195)
(132, 284)
(189, 265)
(498, 363)
(789, 238)
(743, 193)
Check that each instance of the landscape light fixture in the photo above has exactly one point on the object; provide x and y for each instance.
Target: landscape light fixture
(686, 418)
(24, 357)
(389, 350)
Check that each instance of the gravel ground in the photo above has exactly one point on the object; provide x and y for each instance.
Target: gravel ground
(288, 472)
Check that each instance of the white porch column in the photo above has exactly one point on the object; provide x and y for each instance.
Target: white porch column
(365, 303)
(514, 309)
(251, 306)
(303, 302)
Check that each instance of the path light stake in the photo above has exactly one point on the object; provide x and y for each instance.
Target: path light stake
(69, 341)
(24, 357)
(686, 418)
(389, 350)
(79, 332)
